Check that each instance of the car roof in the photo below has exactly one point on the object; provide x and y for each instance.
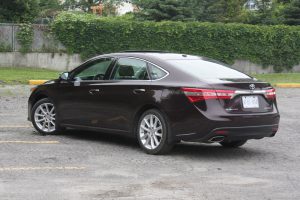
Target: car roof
(149, 55)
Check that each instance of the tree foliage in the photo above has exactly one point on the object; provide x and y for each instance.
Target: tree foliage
(159, 10)
(18, 11)
(292, 13)
(85, 5)
(269, 12)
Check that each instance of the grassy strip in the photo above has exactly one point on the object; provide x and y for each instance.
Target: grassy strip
(12, 75)
(279, 78)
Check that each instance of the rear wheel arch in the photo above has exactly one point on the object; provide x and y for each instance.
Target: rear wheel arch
(139, 113)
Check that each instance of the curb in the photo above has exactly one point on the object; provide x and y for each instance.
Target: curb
(36, 82)
(287, 85)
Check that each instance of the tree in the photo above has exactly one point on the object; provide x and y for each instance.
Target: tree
(201, 10)
(48, 8)
(159, 10)
(85, 5)
(18, 10)
(222, 10)
(292, 13)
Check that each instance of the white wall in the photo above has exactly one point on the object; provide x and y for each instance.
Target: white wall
(54, 61)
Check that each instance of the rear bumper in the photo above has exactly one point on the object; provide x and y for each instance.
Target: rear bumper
(242, 133)
(234, 133)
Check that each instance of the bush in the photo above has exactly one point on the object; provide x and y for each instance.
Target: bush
(90, 35)
(25, 37)
(5, 47)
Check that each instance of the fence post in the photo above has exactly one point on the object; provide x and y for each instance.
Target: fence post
(13, 37)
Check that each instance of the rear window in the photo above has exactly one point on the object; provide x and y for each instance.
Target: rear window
(207, 70)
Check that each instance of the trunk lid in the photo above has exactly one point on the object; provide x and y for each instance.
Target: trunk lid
(249, 95)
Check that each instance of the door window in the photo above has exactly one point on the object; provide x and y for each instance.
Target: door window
(94, 71)
(130, 69)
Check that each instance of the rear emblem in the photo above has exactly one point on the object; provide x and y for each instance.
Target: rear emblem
(252, 86)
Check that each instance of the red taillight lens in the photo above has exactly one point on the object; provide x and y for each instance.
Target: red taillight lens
(271, 94)
(196, 94)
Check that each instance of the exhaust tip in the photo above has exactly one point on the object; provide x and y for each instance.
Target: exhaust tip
(217, 139)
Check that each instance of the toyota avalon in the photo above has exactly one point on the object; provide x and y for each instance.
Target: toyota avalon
(158, 98)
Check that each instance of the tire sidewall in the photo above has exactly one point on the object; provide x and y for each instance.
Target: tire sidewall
(36, 105)
(164, 140)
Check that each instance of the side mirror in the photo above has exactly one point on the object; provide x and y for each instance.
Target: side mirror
(64, 76)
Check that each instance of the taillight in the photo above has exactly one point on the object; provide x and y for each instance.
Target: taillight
(196, 94)
(271, 94)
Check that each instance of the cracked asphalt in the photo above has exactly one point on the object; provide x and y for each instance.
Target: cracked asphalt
(87, 165)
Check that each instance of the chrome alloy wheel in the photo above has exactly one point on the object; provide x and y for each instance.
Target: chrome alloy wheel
(150, 131)
(44, 117)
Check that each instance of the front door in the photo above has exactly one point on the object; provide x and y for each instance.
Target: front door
(79, 98)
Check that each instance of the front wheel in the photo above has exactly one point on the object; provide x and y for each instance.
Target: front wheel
(43, 117)
(233, 144)
(152, 133)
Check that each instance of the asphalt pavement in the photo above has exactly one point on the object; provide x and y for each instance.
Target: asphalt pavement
(86, 165)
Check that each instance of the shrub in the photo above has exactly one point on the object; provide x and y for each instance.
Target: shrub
(90, 35)
(25, 37)
(4, 47)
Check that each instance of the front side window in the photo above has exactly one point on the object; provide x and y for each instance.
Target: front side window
(94, 71)
(130, 69)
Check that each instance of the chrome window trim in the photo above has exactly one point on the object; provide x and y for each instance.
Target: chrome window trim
(117, 58)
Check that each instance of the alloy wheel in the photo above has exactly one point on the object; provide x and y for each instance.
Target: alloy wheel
(44, 117)
(150, 131)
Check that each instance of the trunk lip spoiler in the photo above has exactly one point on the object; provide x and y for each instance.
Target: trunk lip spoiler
(241, 92)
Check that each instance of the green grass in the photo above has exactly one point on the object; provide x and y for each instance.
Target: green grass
(279, 78)
(12, 75)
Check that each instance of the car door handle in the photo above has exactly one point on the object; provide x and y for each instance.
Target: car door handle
(93, 91)
(139, 91)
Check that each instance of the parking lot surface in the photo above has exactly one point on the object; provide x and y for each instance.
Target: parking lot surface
(87, 165)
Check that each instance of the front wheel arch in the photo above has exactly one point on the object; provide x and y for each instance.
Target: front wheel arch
(35, 106)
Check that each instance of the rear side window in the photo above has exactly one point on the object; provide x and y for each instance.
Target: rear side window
(130, 69)
(156, 73)
(207, 70)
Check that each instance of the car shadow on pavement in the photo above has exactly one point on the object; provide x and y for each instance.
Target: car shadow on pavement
(215, 151)
(114, 139)
(182, 149)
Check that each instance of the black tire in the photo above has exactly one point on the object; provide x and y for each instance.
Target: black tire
(164, 146)
(233, 144)
(57, 127)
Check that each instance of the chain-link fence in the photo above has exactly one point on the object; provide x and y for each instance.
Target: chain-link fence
(43, 41)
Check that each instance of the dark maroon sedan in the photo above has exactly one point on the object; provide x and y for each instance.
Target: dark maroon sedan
(158, 98)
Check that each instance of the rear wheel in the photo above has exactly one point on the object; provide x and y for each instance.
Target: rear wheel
(43, 117)
(233, 144)
(152, 133)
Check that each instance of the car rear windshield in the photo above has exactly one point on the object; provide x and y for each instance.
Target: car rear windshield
(207, 70)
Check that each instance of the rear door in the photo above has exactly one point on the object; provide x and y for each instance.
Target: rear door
(125, 92)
